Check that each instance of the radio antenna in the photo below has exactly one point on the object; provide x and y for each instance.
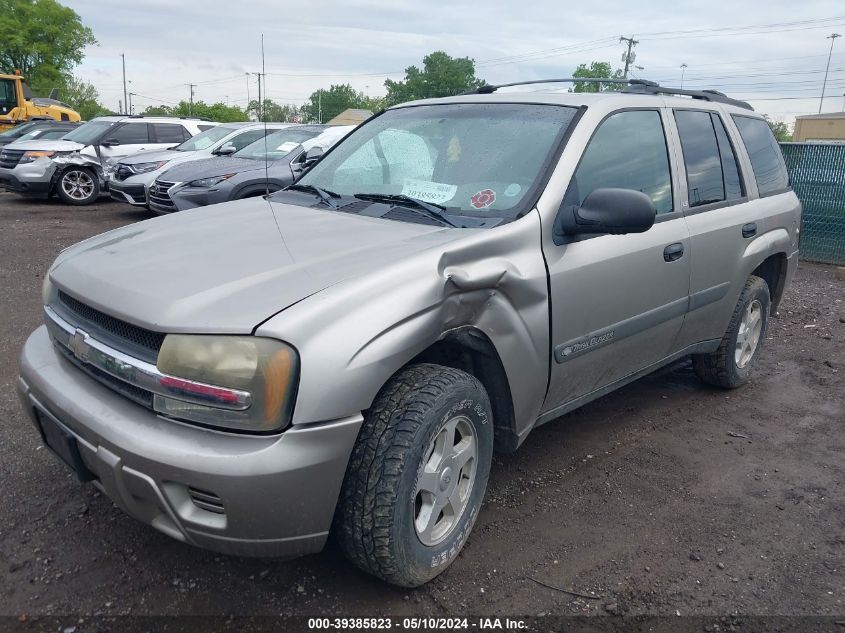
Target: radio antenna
(264, 119)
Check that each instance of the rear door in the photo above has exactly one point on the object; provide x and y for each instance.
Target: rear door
(723, 211)
(618, 301)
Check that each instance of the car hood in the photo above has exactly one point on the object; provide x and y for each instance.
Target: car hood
(53, 145)
(210, 167)
(156, 155)
(229, 267)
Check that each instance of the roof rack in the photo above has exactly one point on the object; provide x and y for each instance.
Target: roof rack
(631, 86)
(164, 116)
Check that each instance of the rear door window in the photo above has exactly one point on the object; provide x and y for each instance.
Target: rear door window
(764, 152)
(170, 133)
(712, 173)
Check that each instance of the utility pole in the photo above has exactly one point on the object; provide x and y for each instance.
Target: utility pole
(129, 106)
(629, 56)
(832, 37)
(191, 99)
(320, 105)
(247, 93)
(683, 70)
(123, 61)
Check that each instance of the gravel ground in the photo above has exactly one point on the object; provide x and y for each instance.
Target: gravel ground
(650, 497)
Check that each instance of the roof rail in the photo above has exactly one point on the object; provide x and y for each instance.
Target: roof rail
(165, 116)
(640, 86)
(631, 86)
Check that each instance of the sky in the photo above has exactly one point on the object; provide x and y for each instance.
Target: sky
(771, 53)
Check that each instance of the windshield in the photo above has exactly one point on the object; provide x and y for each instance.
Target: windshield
(88, 133)
(205, 139)
(278, 144)
(480, 159)
(18, 130)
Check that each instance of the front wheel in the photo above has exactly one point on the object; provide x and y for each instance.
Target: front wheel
(731, 364)
(417, 475)
(78, 186)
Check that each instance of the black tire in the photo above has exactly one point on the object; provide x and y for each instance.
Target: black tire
(720, 368)
(378, 505)
(78, 186)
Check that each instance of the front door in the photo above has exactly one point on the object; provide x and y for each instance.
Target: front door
(618, 301)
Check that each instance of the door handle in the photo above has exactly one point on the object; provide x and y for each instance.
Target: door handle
(749, 230)
(673, 252)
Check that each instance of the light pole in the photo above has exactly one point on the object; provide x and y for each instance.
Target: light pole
(683, 70)
(832, 37)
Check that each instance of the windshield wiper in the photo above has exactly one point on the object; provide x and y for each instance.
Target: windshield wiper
(324, 195)
(429, 209)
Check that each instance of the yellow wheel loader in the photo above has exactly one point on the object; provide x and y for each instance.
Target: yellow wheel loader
(17, 104)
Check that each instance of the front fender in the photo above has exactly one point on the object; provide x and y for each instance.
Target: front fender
(352, 337)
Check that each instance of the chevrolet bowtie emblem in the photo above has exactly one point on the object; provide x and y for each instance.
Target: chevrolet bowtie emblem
(79, 345)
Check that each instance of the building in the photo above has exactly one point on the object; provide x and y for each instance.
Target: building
(820, 127)
(352, 116)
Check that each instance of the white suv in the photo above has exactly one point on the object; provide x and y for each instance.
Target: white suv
(75, 166)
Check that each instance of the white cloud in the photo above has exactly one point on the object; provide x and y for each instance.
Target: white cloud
(311, 45)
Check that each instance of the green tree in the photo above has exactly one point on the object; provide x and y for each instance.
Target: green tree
(441, 76)
(43, 39)
(780, 129)
(219, 112)
(596, 70)
(324, 105)
(274, 112)
(82, 97)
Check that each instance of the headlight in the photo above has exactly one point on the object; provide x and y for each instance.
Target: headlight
(209, 182)
(143, 168)
(32, 156)
(244, 383)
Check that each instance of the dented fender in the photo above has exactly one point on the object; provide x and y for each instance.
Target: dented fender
(353, 336)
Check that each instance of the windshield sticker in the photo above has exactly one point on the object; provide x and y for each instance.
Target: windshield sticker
(428, 191)
(512, 190)
(483, 198)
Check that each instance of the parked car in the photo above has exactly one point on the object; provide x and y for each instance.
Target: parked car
(132, 176)
(74, 167)
(42, 130)
(456, 272)
(253, 171)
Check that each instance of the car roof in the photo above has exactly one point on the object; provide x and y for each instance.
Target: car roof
(606, 100)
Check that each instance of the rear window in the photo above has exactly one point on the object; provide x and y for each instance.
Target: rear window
(764, 152)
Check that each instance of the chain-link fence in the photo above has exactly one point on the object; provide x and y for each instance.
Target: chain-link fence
(817, 171)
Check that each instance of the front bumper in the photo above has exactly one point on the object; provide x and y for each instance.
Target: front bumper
(10, 182)
(278, 493)
(35, 178)
(133, 194)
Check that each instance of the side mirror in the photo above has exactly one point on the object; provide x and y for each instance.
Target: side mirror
(226, 150)
(312, 156)
(110, 142)
(608, 210)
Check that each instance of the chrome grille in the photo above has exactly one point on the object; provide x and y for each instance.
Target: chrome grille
(129, 338)
(9, 158)
(159, 195)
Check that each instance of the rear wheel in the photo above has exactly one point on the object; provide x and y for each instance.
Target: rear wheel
(731, 364)
(78, 186)
(417, 475)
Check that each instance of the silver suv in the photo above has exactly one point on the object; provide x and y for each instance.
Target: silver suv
(77, 166)
(348, 352)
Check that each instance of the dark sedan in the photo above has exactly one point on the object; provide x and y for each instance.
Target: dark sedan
(36, 130)
(265, 165)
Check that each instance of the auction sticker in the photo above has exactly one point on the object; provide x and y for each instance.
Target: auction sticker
(428, 191)
(483, 198)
